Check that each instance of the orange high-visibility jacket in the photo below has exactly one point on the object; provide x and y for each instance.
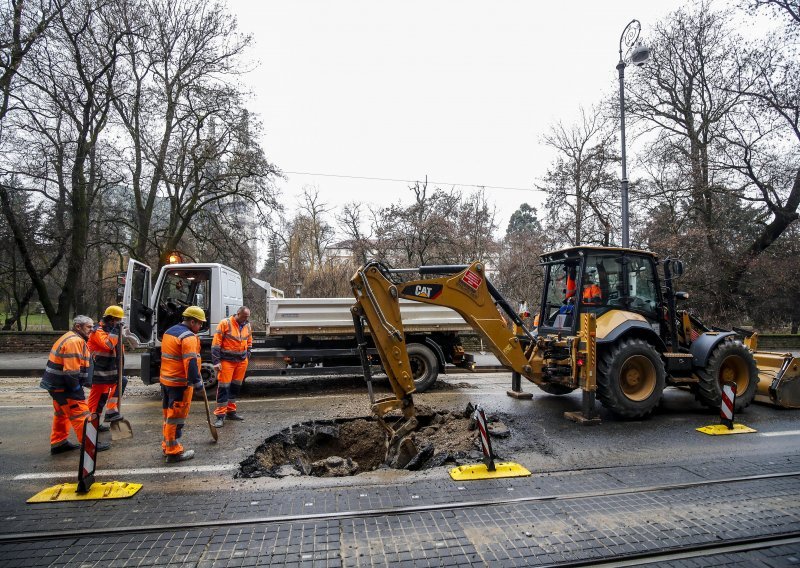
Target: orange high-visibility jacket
(572, 286)
(231, 342)
(68, 364)
(180, 357)
(103, 342)
(592, 295)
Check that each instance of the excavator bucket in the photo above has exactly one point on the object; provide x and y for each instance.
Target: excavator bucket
(778, 379)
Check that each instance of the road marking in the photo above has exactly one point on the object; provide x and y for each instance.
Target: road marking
(784, 433)
(131, 472)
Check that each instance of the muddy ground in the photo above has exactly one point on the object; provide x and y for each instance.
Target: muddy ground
(336, 448)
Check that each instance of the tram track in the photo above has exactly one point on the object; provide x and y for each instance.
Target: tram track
(179, 526)
(687, 552)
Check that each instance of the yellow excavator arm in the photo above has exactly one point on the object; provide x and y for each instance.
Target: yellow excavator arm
(464, 289)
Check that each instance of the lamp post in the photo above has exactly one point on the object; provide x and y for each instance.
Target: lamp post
(637, 54)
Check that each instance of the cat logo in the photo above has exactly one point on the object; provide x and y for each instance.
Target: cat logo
(423, 291)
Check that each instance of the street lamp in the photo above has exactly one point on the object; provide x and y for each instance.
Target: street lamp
(637, 54)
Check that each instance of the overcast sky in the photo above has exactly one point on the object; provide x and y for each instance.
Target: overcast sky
(460, 91)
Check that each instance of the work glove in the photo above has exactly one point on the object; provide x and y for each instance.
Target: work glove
(198, 385)
(249, 353)
(218, 367)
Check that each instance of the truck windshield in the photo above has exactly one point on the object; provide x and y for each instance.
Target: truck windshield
(181, 289)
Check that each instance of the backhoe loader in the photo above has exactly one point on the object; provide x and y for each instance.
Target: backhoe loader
(607, 324)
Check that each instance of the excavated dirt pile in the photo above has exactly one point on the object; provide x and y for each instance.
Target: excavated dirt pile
(336, 448)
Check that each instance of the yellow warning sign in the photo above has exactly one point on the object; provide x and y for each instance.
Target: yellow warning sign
(480, 471)
(722, 430)
(68, 492)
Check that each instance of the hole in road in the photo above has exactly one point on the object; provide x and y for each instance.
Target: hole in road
(343, 447)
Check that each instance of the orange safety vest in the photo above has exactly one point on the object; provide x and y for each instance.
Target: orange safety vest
(231, 342)
(572, 287)
(68, 364)
(592, 295)
(103, 343)
(180, 357)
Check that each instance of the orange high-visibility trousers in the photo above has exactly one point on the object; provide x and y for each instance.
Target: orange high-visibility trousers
(175, 402)
(98, 389)
(229, 382)
(67, 412)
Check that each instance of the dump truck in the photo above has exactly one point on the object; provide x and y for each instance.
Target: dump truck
(607, 325)
(303, 336)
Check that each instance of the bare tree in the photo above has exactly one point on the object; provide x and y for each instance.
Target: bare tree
(66, 100)
(28, 24)
(580, 185)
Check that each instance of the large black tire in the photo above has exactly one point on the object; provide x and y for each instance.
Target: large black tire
(631, 378)
(424, 366)
(730, 361)
(209, 375)
(555, 388)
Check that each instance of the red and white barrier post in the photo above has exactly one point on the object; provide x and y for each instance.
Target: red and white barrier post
(88, 461)
(728, 402)
(486, 443)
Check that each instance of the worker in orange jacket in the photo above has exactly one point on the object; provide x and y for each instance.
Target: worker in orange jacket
(230, 352)
(180, 375)
(64, 377)
(103, 344)
(591, 295)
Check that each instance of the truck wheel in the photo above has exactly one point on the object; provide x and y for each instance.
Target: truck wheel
(209, 374)
(555, 388)
(631, 378)
(424, 366)
(729, 362)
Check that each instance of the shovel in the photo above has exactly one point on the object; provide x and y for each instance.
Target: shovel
(120, 429)
(211, 427)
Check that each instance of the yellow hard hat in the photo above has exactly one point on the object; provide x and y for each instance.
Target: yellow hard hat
(195, 312)
(114, 312)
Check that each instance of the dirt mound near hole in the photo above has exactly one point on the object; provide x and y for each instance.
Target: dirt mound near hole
(334, 448)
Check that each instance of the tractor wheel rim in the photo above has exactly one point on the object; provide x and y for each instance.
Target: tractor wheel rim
(637, 378)
(734, 370)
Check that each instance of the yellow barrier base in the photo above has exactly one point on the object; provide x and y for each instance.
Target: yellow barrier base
(722, 430)
(68, 492)
(479, 471)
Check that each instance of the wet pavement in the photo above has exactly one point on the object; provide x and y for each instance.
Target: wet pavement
(600, 493)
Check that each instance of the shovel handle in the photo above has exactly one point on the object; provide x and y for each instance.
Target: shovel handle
(211, 427)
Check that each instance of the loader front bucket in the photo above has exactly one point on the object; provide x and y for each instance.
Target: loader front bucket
(778, 379)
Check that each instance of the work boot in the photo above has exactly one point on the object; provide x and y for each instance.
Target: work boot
(183, 456)
(103, 428)
(234, 416)
(103, 446)
(219, 422)
(65, 446)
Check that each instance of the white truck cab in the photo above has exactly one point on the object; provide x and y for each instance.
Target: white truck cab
(151, 310)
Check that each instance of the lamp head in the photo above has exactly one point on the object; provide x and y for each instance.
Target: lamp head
(640, 55)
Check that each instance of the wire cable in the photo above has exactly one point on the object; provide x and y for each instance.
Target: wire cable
(415, 181)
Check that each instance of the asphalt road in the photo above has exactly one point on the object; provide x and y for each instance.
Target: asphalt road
(541, 438)
(565, 459)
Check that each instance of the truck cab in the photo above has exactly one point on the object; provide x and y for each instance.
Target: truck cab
(151, 310)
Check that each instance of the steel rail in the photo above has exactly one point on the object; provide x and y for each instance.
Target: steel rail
(685, 552)
(96, 532)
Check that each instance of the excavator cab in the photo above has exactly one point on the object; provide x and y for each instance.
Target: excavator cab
(601, 281)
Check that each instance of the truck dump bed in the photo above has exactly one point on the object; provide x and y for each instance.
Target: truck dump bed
(332, 316)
